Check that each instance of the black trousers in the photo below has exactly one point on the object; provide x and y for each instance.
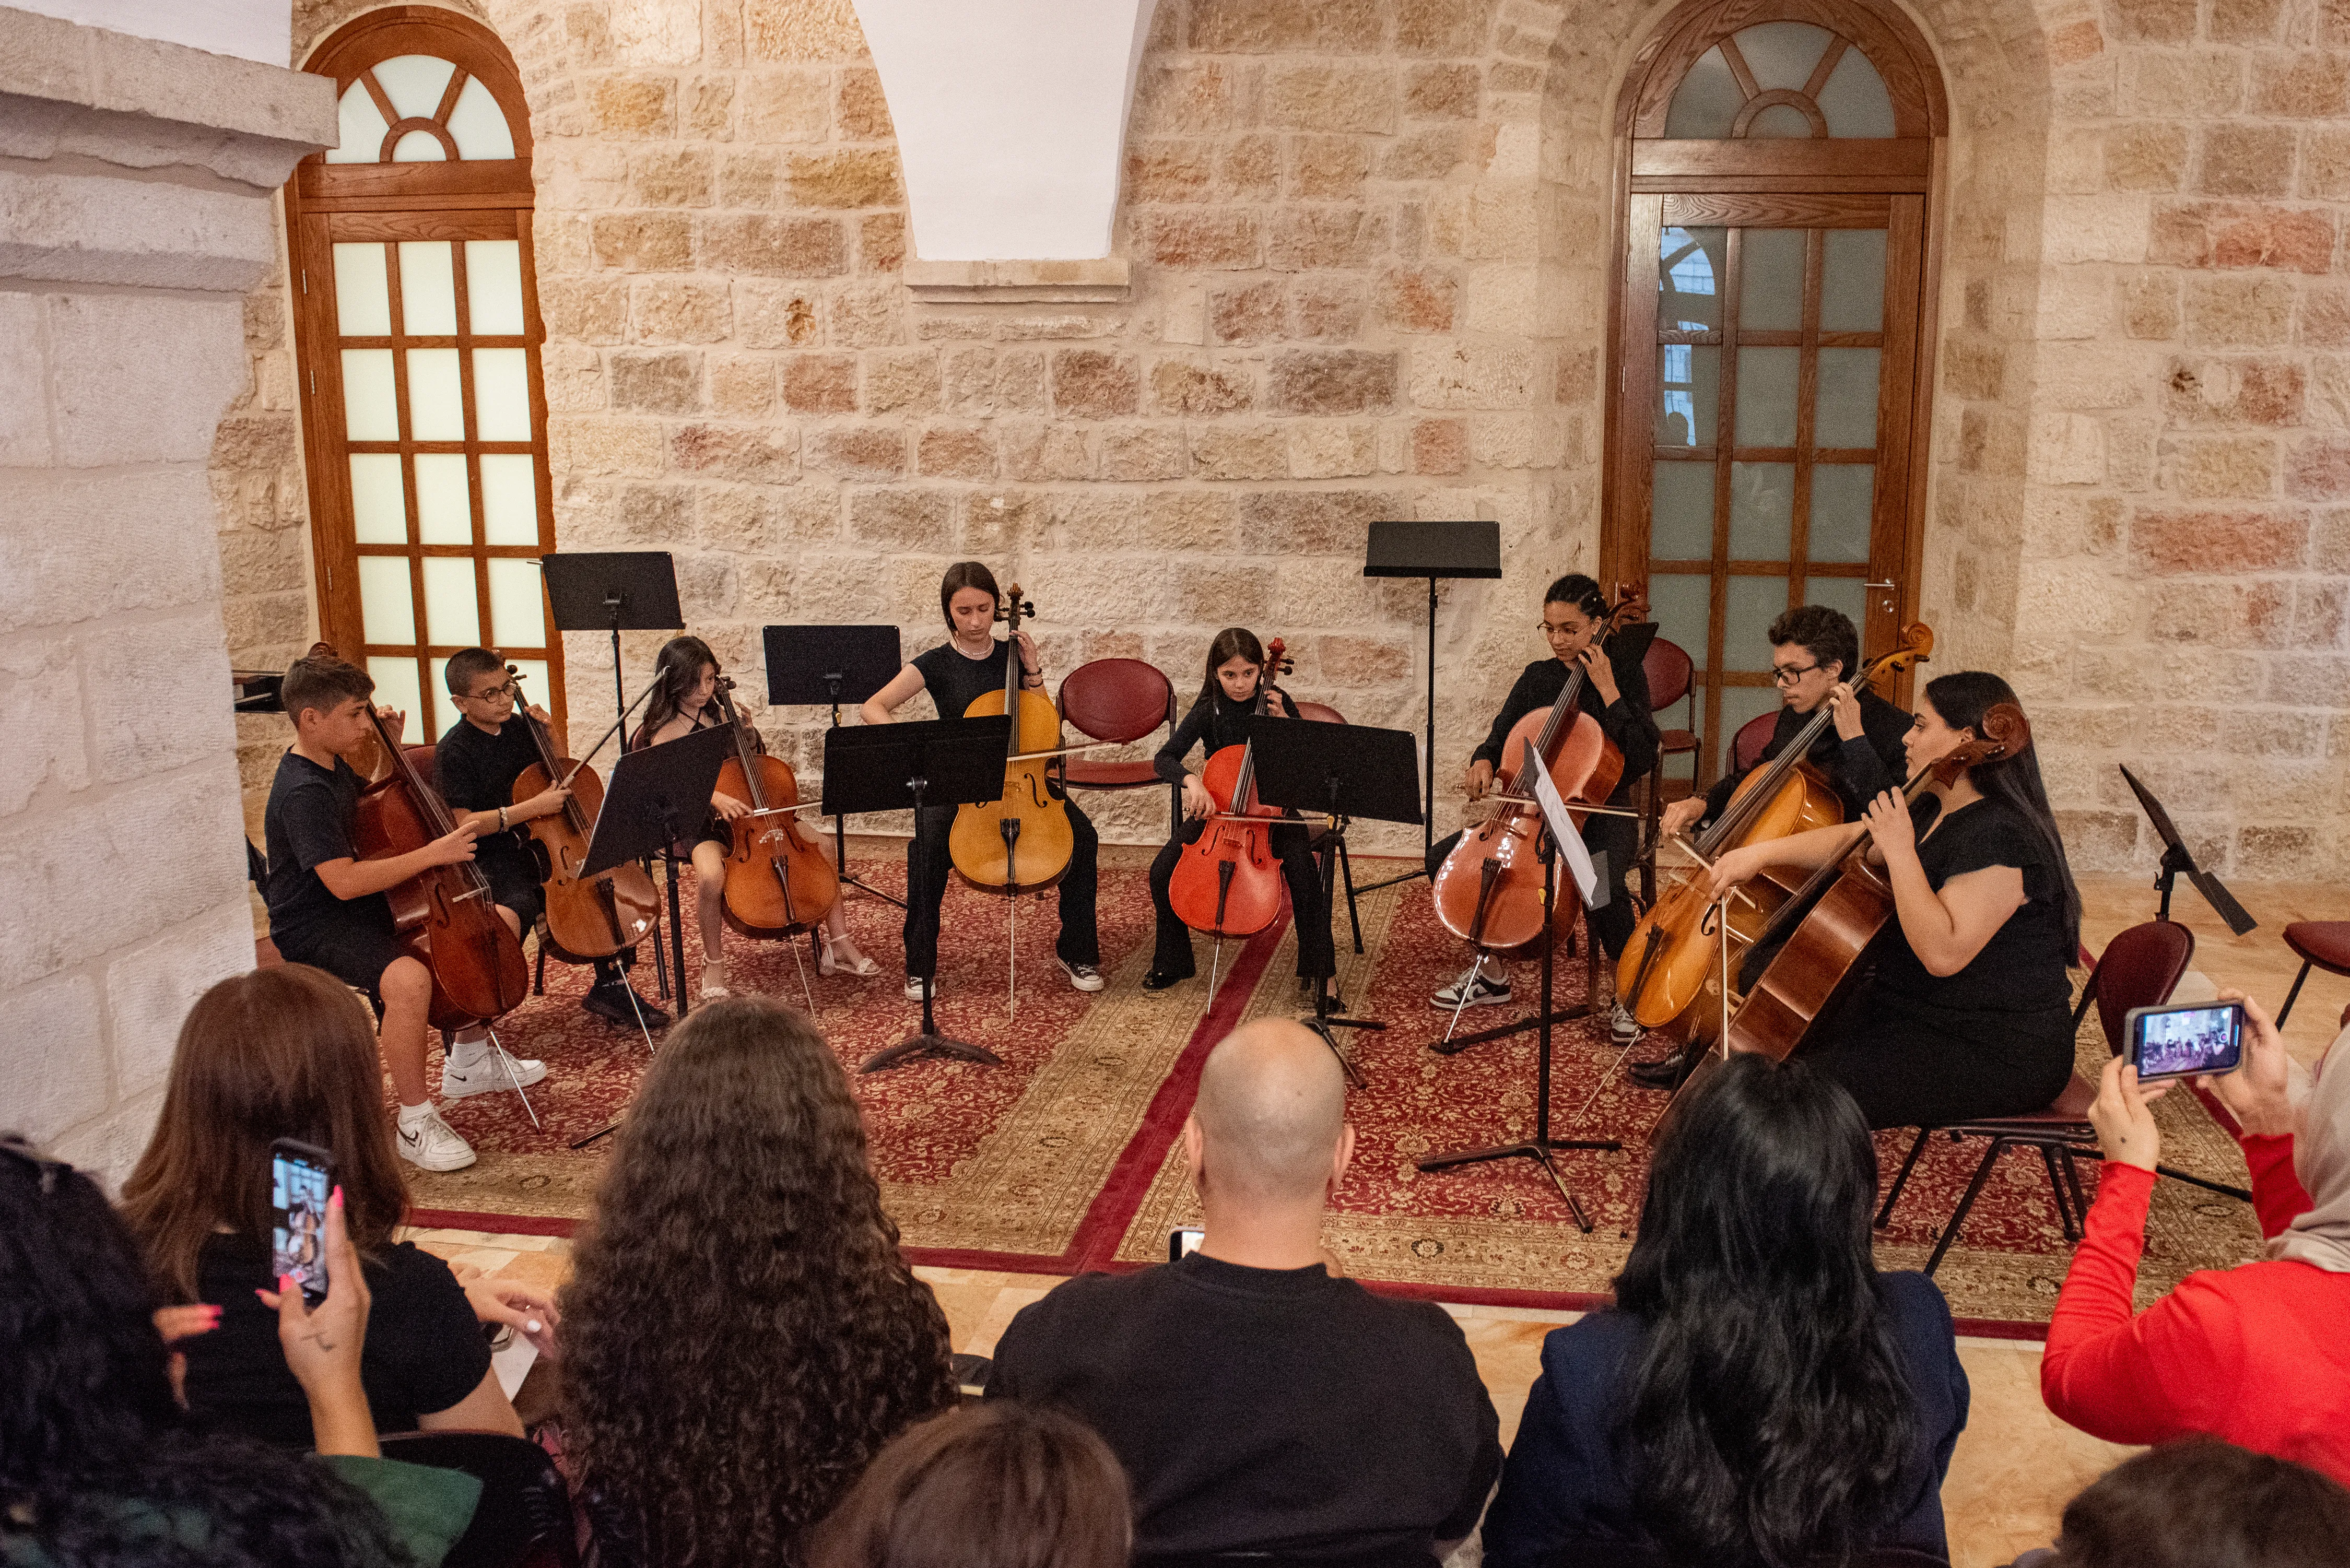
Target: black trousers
(1618, 838)
(928, 859)
(1308, 910)
(513, 881)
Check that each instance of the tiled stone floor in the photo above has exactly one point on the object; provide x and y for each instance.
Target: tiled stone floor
(2015, 1466)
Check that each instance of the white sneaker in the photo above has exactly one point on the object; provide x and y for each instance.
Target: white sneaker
(1483, 992)
(489, 1074)
(430, 1143)
(914, 988)
(1084, 976)
(1622, 1027)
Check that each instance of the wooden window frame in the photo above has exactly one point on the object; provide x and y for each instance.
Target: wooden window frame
(489, 199)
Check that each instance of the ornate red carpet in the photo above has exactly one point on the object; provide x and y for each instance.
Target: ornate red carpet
(1066, 1157)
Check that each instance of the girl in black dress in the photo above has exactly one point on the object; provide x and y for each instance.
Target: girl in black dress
(1967, 1012)
(1219, 718)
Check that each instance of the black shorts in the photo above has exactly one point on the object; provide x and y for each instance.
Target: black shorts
(513, 881)
(355, 951)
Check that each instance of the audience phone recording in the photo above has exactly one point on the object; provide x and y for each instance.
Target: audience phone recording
(300, 1179)
(1182, 1242)
(2185, 1040)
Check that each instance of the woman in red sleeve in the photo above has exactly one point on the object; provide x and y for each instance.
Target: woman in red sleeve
(2255, 1354)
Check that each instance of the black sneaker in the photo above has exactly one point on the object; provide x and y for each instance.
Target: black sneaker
(1159, 980)
(1664, 1073)
(610, 1004)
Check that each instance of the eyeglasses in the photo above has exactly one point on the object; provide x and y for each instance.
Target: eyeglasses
(1788, 674)
(493, 694)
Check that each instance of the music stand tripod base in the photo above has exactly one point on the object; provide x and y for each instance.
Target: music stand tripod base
(930, 1042)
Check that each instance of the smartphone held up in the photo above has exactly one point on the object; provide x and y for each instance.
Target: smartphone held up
(301, 1179)
(2185, 1040)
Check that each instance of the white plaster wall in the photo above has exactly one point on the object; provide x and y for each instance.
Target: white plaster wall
(250, 29)
(126, 240)
(1011, 119)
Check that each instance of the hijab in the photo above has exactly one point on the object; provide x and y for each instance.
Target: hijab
(2321, 1158)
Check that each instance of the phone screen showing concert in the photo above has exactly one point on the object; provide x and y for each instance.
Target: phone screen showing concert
(298, 1193)
(2177, 1043)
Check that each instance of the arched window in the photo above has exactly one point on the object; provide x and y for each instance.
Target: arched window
(425, 416)
(1767, 445)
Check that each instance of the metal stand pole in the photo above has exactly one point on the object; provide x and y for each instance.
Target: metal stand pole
(1427, 764)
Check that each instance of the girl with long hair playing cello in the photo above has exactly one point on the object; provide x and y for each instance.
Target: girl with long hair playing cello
(685, 682)
(1218, 718)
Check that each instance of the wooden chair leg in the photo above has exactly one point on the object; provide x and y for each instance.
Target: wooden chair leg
(1893, 1194)
(1959, 1216)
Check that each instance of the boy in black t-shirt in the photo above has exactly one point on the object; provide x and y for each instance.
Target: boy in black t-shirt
(477, 761)
(327, 906)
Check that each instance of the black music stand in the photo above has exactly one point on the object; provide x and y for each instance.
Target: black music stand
(824, 666)
(1542, 1146)
(657, 796)
(2176, 857)
(1430, 550)
(894, 767)
(614, 591)
(1346, 771)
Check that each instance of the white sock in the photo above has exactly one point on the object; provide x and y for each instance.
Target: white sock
(464, 1054)
(409, 1116)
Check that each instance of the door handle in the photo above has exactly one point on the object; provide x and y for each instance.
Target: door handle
(1880, 585)
(1889, 588)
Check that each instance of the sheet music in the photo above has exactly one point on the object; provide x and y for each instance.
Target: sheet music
(1562, 827)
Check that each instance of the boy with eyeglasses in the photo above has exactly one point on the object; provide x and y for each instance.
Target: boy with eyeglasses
(477, 761)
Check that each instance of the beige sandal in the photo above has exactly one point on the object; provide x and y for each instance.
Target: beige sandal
(829, 960)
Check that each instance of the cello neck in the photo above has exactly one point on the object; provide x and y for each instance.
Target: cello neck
(742, 752)
(546, 757)
(428, 800)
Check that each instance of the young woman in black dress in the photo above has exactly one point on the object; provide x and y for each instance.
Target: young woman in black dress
(1219, 718)
(1968, 1011)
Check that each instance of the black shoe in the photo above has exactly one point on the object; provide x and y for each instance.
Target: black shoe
(612, 1003)
(1159, 980)
(1664, 1073)
(1306, 992)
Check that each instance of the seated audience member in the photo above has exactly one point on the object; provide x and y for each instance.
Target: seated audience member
(998, 1485)
(99, 1464)
(2256, 1354)
(740, 1332)
(1759, 1393)
(289, 1052)
(2203, 1503)
(1260, 1403)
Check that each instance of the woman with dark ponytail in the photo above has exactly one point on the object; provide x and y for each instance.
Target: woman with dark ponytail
(1967, 1012)
(1759, 1396)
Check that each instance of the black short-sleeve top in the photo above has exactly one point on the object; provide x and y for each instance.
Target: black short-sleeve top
(2022, 968)
(311, 813)
(955, 682)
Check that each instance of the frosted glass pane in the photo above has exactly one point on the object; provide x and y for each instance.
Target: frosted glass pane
(371, 411)
(395, 687)
(1770, 281)
(1850, 595)
(453, 612)
(509, 498)
(428, 289)
(1841, 494)
(493, 287)
(1854, 101)
(1689, 378)
(1740, 706)
(1681, 606)
(445, 712)
(1690, 265)
(1755, 604)
(419, 146)
(378, 500)
(414, 83)
(1773, 122)
(1779, 54)
(478, 124)
(1766, 396)
(387, 606)
(444, 509)
(1852, 281)
(515, 619)
(532, 673)
(362, 126)
(436, 408)
(501, 394)
(1681, 512)
(362, 298)
(1847, 407)
(1705, 103)
(1761, 510)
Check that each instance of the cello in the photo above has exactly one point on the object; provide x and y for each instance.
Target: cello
(1227, 882)
(446, 913)
(1488, 891)
(587, 917)
(1022, 842)
(1672, 955)
(778, 882)
(1817, 968)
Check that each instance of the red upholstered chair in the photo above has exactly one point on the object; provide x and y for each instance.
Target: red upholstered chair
(1670, 674)
(1746, 747)
(1322, 841)
(1120, 699)
(2323, 943)
(426, 761)
(2140, 968)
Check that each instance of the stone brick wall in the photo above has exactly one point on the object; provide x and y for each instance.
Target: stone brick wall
(1371, 260)
(136, 195)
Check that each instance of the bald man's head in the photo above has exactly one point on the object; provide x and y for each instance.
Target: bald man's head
(1271, 1110)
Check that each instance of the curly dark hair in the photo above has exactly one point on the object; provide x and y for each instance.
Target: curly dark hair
(1769, 1420)
(740, 1333)
(98, 1466)
(2199, 1502)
